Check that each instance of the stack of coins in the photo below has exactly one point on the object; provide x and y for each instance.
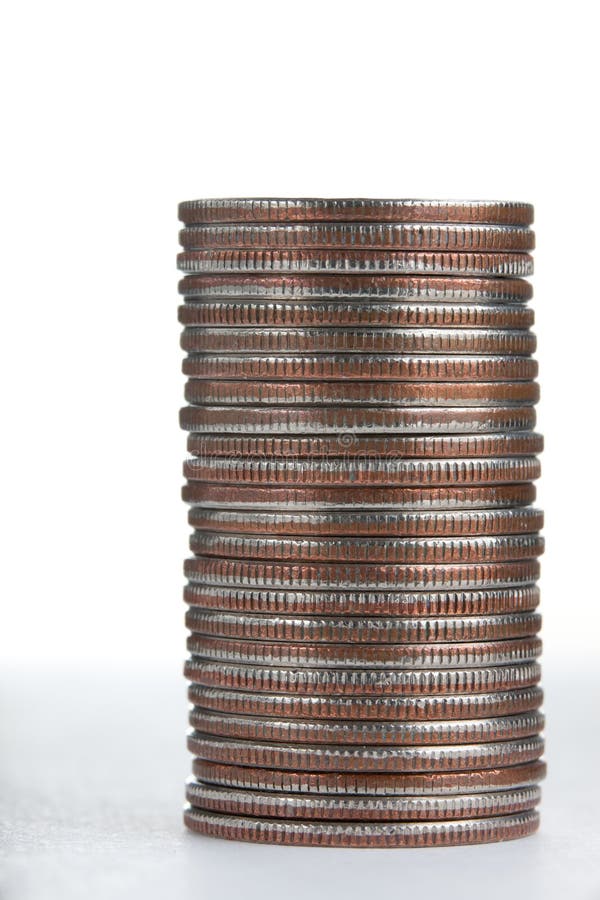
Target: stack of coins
(362, 596)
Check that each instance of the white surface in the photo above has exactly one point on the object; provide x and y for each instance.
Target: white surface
(93, 768)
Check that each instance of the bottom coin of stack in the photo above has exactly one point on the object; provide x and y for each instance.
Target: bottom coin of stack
(363, 608)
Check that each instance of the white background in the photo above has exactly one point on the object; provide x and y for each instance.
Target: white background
(111, 114)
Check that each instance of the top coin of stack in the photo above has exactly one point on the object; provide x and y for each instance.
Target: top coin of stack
(361, 393)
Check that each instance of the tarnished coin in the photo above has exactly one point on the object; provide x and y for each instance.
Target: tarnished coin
(352, 393)
(359, 235)
(316, 209)
(353, 421)
(406, 551)
(356, 471)
(378, 630)
(364, 576)
(352, 758)
(367, 709)
(478, 341)
(240, 495)
(362, 834)
(473, 731)
(512, 265)
(362, 682)
(365, 315)
(357, 366)
(355, 523)
(385, 784)
(359, 287)
(370, 656)
(365, 446)
(489, 601)
(234, 801)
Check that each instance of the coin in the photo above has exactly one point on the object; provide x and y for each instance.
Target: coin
(359, 235)
(385, 784)
(371, 656)
(309, 209)
(347, 549)
(363, 472)
(504, 342)
(372, 393)
(247, 727)
(373, 708)
(378, 630)
(360, 261)
(362, 682)
(341, 315)
(489, 601)
(364, 759)
(347, 497)
(309, 576)
(367, 447)
(353, 366)
(356, 420)
(361, 287)
(234, 801)
(359, 834)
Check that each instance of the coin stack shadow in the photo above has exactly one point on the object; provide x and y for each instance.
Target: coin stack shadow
(362, 591)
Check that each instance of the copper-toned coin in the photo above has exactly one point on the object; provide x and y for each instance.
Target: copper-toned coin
(358, 366)
(364, 576)
(371, 393)
(347, 497)
(356, 471)
(472, 731)
(356, 261)
(358, 287)
(362, 834)
(378, 630)
(365, 446)
(385, 784)
(490, 601)
(359, 235)
(370, 656)
(235, 801)
(361, 682)
(352, 758)
(353, 421)
(317, 209)
(388, 550)
(369, 709)
(503, 342)
(365, 315)
(355, 523)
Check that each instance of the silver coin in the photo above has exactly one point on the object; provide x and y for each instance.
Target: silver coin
(370, 708)
(381, 630)
(297, 806)
(496, 265)
(279, 341)
(327, 287)
(356, 421)
(375, 367)
(378, 682)
(350, 758)
(394, 734)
